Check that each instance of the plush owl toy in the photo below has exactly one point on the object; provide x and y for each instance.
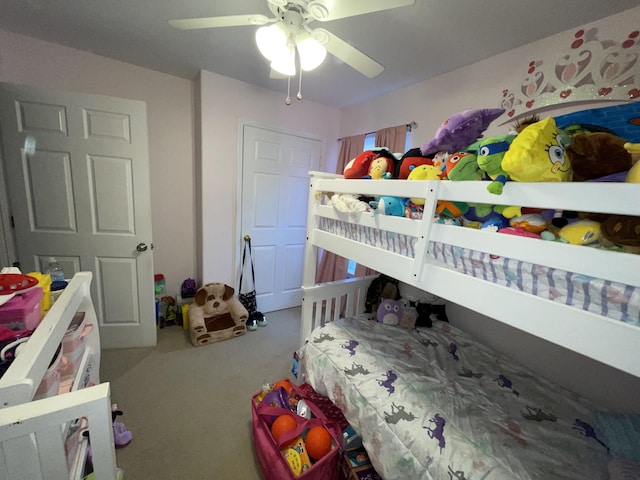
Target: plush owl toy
(389, 312)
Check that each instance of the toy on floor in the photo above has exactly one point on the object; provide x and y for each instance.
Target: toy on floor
(216, 314)
(283, 424)
(318, 442)
(188, 288)
(167, 314)
(121, 434)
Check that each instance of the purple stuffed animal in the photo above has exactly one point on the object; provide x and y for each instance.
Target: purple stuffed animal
(389, 311)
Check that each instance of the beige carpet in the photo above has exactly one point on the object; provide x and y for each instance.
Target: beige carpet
(189, 408)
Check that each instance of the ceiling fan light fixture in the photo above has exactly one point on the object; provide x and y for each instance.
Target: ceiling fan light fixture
(272, 41)
(285, 63)
(312, 53)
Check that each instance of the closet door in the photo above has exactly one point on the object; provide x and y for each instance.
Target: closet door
(83, 197)
(275, 187)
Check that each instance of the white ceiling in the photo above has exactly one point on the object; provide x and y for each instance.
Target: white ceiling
(413, 43)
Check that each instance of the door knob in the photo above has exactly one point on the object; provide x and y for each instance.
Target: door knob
(141, 247)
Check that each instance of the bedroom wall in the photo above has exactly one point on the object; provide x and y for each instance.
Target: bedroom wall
(169, 102)
(223, 102)
(479, 86)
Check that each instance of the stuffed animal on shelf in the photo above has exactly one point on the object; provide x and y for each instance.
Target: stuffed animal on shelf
(394, 206)
(491, 152)
(358, 167)
(461, 130)
(348, 203)
(633, 176)
(216, 314)
(376, 164)
(463, 166)
(538, 154)
(581, 232)
(444, 207)
(382, 167)
(411, 159)
(530, 222)
(597, 155)
(423, 172)
(622, 231)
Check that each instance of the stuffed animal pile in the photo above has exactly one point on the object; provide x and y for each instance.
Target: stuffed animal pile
(396, 303)
(535, 150)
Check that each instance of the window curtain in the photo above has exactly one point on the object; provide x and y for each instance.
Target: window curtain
(393, 138)
(332, 266)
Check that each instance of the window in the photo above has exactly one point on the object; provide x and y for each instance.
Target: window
(370, 143)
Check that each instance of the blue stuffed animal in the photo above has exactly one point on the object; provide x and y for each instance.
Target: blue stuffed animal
(394, 206)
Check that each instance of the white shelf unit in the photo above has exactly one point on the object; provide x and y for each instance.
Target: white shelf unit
(33, 432)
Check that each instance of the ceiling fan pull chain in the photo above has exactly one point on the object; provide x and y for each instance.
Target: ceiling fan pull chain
(288, 99)
(299, 94)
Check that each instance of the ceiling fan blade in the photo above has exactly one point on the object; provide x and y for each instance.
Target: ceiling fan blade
(348, 53)
(214, 22)
(325, 11)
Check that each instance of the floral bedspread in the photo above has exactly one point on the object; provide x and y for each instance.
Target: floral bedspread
(434, 404)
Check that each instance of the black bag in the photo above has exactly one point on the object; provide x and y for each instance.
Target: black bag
(248, 299)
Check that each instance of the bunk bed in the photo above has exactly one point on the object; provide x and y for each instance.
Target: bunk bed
(397, 362)
(49, 437)
(433, 403)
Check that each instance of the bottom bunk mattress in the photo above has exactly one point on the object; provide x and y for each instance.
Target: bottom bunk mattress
(435, 404)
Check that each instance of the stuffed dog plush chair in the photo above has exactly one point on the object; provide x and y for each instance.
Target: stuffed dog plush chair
(216, 314)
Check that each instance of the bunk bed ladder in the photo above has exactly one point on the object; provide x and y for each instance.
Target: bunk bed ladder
(422, 242)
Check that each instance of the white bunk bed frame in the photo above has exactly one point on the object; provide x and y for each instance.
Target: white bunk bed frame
(609, 341)
(33, 433)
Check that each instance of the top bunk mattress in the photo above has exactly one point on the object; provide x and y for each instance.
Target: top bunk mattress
(611, 299)
(432, 402)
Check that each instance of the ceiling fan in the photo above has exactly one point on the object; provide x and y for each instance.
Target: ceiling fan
(289, 32)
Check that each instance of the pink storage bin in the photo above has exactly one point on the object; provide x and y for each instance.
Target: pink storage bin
(73, 340)
(73, 346)
(50, 384)
(22, 312)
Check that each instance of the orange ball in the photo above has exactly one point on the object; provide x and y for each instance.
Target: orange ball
(284, 383)
(318, 442)
(282, 424)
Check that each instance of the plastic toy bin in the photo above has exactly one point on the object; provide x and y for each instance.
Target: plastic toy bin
(44, 282)
(22, 312)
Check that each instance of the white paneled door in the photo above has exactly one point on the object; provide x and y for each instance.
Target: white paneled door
(83, 197)
(275, 186)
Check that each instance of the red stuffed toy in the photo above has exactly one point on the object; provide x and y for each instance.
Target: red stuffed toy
(358, 167)
(382, 166)
(371, 164)
(410, 160)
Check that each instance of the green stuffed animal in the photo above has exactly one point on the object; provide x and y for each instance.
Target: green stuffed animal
(491, 151)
